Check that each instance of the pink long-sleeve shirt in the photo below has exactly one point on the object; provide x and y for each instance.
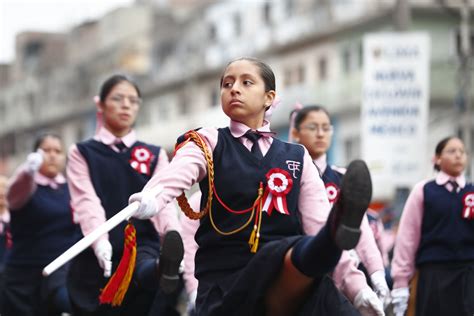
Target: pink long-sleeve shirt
(23, 185)
(87, 208)
(189, 167)
(409, 231)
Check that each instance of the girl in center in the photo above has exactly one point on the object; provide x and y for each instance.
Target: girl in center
(287, 258)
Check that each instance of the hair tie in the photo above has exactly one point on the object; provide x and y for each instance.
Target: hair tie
(296, 108)
(269, 112)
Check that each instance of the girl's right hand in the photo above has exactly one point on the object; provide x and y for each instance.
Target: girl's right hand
(147, 208)
(34, 161)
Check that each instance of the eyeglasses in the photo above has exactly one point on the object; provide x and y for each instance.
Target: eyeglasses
(118, 98)
(322, 129)
(453, 151)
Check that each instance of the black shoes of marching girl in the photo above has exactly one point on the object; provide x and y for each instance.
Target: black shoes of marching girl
(172, 252)
(349, 210)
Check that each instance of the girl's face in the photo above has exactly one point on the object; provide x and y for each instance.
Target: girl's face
(54, 157)
(453, 158)
(120, 108)
(315, 133)
(243, 95)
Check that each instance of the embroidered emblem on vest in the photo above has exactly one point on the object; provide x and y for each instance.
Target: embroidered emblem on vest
(468, 209)
(141, 159)
(293, 166)
(279, 184)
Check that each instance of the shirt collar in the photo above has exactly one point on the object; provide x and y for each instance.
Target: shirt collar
(41, 179)
(442, 178)
(321, 163)
(106, 137)
(238, 129)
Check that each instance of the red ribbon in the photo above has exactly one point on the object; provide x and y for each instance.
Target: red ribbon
(141, 159)
(468, 209)
(332, 192)
(279, 184)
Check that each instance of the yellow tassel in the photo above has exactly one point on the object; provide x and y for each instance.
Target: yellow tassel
(252, 236)
(115, 290)
(255, 244)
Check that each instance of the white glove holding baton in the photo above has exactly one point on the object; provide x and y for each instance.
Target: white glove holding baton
(380, 287)
(103, 252)
(34, 161)
(147, 199)
(400, 300)
(368, 304)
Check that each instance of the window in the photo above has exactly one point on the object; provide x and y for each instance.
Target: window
(183, 104)
(214, 97)
(267, 12)
(300, 71)
(346, 60)
(237, 24)
(289, 8)
(322, 68)
(212, 32)
(287, 80)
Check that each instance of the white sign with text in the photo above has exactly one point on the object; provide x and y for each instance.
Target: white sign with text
(395, 102)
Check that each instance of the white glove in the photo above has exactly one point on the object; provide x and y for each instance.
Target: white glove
(34, 161)
(147, 208)
(368, 304)
(191, 302)
(103, 252)
(400, 300)
(380, 287)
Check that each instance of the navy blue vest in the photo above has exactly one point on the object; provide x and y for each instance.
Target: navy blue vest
(332, 176)
(43, 228)
(445, 235)
(237, 177)
(114, 180)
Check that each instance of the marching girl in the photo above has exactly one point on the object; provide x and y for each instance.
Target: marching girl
(42, 228)
(436, 236)
(102, 172)
(311, 127)
(260, 251)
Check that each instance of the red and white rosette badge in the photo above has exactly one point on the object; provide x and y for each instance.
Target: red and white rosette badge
(279, 184)
(141, 159)
(468, 203)
(332, 191)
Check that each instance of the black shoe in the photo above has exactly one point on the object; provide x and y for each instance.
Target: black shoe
(171, 255)
(350, 208)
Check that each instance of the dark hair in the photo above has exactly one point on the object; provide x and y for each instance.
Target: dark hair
(110, 83)
(303, 113)
(439, 149)
(42, 136)
(265, 72)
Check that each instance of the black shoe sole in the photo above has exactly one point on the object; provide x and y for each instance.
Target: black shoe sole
(356, 193)
(172, 252)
